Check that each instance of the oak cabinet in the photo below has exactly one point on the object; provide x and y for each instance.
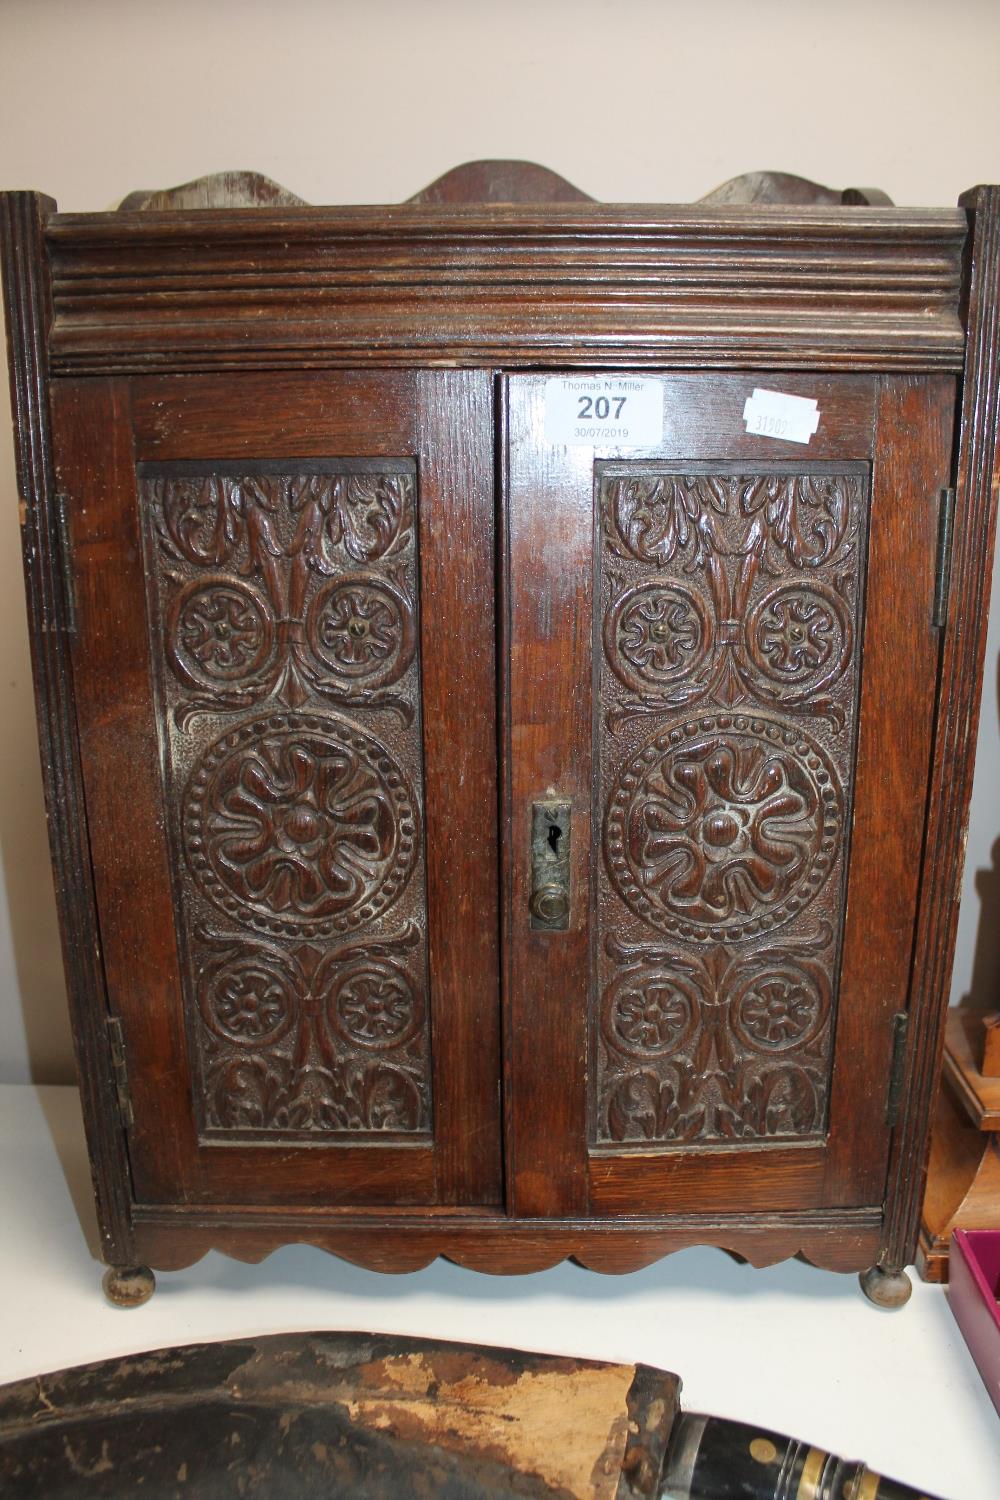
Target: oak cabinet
(481, 837)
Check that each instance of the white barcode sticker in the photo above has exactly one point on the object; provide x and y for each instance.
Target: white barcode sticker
(595, 409)
(772, 414)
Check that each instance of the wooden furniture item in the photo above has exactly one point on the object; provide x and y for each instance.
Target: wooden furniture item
(963, 1175)
(506, 783)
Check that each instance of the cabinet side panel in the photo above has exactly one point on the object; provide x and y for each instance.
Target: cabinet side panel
(976, 487)
(27, 301)
(119, 759)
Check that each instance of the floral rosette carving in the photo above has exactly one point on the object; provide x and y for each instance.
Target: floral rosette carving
(723, 827)
(372, 1004)
(716, 1048)
(221, 631)
(251, 1001)
(779, 1004)
(650, 1013)
(800, 636)
(708, 626)
(277, 606)
(362, 628)
(300, 823)
(302, 1041)
(656, 634)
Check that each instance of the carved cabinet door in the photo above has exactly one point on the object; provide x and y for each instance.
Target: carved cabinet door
(285, 676)
(721, 668)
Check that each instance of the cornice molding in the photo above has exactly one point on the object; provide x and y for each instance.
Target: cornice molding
(671, 287)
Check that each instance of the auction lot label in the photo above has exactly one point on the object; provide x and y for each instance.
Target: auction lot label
(604, 410)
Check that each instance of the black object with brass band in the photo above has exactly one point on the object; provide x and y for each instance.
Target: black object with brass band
(320, 1416)
(710, 1458)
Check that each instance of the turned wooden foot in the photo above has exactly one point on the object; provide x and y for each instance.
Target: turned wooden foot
(889, 1289)
(128, 1286)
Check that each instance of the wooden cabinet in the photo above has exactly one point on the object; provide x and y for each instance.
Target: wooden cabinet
(484, 840)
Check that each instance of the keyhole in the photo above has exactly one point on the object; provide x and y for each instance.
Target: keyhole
(555, 834)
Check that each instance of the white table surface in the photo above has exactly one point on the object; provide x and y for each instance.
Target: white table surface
(789, 1347)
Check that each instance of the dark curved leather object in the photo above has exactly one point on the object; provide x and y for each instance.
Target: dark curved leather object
(310, 1415)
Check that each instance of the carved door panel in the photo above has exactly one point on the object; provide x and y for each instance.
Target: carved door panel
(286, 687)
(735, 636)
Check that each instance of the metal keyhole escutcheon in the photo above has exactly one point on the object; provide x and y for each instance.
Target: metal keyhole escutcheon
(549, 903)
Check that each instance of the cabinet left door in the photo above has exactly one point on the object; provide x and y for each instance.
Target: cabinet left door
(284, 671)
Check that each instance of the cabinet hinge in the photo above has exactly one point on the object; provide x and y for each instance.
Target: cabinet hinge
(120, 1070)
(66, 569)
(900, 1027)
(942, 570)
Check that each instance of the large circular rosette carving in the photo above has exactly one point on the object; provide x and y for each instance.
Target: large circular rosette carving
(723, 827)
(300, 823)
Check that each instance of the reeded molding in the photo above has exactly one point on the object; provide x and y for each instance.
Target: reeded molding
(976, 491)
(28, 303)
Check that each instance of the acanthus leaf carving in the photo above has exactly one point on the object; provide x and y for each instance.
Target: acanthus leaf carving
(304, 1041)
(654, 519)
(805, 516)
(276, 606)
(673, 645)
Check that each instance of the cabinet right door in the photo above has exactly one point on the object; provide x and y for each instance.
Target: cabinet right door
(721, 668)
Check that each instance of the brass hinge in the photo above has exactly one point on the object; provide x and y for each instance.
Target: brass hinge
(900, 1027)
(942, 570)
(66, 561)
(119, 1068)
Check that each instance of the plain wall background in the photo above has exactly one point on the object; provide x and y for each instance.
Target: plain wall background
(637, 100)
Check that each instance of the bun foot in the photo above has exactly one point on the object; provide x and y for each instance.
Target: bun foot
(128, 1286)
(889, 1289)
